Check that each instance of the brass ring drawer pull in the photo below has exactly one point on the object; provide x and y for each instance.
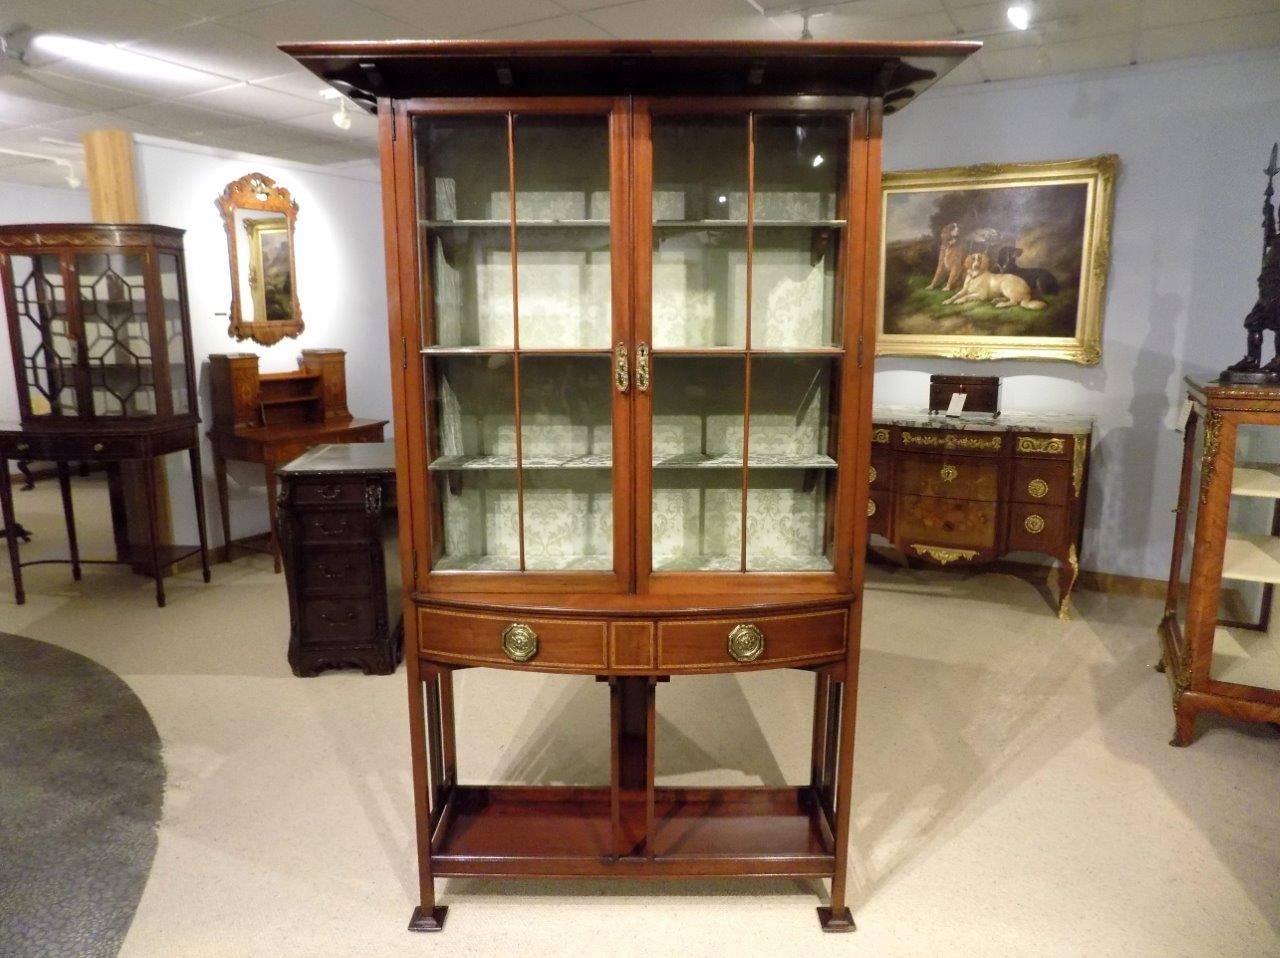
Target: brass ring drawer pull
(1037, 488)
(873, 475)
(871, 508)
(746, 642)
(1033, 524)
(519, 642)
(329, 530)
(98, 446)
(948, 472)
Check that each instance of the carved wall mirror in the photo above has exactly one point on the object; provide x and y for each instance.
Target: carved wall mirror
(259, 219)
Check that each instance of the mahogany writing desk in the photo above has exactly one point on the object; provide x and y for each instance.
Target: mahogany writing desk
(272, 418)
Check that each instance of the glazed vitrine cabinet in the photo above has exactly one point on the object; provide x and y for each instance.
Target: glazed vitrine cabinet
(101, 341)
(632, 294)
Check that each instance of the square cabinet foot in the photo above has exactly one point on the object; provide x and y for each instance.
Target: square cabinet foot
(841, 920)
(429, 921)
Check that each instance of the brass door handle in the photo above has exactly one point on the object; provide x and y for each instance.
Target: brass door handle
(642, 367)
(1037, 488)
(746, 642)
(520, 642)
(621, 368)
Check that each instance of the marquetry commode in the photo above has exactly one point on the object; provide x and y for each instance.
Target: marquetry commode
(633, 300)
(972, 488)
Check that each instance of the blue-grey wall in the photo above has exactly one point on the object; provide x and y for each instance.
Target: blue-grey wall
(1193, 137)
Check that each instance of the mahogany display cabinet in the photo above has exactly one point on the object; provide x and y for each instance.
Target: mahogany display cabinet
(1219, 655)
(633, 296)
(101, 341)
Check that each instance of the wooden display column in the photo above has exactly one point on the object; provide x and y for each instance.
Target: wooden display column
(113, 198)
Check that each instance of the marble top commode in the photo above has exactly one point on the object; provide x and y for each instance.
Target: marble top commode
(984, 422)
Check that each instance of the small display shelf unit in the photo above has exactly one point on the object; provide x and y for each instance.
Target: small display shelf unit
(633, 300)
(101, 343)
(1216, 662)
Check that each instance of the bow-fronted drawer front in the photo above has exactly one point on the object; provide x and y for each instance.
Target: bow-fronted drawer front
(769, 641)
(524, 642)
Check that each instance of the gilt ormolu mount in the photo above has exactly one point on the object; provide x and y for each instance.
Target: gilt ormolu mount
(1265, 314)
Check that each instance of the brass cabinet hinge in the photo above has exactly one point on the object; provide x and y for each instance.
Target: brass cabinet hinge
(414, 583)
(859, 352)
(404, 353)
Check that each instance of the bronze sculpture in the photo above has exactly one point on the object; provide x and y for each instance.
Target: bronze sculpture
(1265, 314)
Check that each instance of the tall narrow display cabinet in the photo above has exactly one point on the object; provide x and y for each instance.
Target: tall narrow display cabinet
(633, 289)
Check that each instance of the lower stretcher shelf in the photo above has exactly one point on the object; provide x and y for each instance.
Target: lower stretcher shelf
(567, 831)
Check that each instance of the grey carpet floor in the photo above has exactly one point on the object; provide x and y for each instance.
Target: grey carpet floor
(81, 788)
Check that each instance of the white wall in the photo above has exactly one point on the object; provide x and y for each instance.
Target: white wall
(341, 290)
(1193, 137)
(32, 204)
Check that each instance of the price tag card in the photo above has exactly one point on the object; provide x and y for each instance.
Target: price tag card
(956, 406)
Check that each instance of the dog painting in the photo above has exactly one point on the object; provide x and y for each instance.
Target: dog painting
(996, 261)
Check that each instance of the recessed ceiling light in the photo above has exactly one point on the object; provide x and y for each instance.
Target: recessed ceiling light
(1019, 15)
(817, 160)
(105, 56)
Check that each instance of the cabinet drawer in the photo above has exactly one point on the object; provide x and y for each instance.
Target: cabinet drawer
(951, 440)
(348, 525)
(347, 571)
(1041, 481)
(68, 448)
(338, 621)
(558, 644)
(923, 520)
(949, 477)
(1037, 528)
(878, 507)
(328, 493)
(705, 643)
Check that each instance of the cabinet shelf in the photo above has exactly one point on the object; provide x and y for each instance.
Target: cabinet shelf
(486, 463)
(1259, 480)
(1251, 558)
(711, 831)
(506, 224)
(694, 460)
(1246, 657)
(741, 224)
(511, 350)
(742, 351)
(511, 563)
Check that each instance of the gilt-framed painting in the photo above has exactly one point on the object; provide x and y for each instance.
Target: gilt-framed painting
(996, 261)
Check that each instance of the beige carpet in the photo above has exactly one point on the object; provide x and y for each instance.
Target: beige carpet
(1015, 791)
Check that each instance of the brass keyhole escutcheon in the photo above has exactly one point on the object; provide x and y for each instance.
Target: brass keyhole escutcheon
(746, 642)
(948, 473)
(1034, 524)
(871, 508)
(519, 642)
(1037, 488)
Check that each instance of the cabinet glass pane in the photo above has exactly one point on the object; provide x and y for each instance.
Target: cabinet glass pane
(697, 462)
(791, 452)
(48, 352)
(472, 443)
(464, 215)
(171, 290)
(567, 454)
(699, 232)
(117, 339)
(562, 236)
(800, 176)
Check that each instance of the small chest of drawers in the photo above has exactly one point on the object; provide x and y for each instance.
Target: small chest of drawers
(339, 543)
(973, 489)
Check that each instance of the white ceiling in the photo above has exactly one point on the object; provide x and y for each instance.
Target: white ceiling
(243, 94)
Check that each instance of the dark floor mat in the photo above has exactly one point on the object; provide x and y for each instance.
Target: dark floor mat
(81, 788)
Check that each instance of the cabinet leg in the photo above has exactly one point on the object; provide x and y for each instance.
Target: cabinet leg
(631, 793)
(429, 919)
(10, 524)
(224, 502)
(153, 527)
(273, 515)
(68, 514)
(1064, 601)
(197, 487)
(1184, 725)
(428, 916)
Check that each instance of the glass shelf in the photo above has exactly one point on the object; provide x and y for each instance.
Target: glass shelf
(742, 223)
(482, 463)
(506, 223)
(693, 460)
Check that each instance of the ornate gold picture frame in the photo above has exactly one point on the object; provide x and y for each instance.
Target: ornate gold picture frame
(259, 217)
(996, 261)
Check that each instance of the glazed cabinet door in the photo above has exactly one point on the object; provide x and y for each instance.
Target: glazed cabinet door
(524, 327)
(741, 226)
